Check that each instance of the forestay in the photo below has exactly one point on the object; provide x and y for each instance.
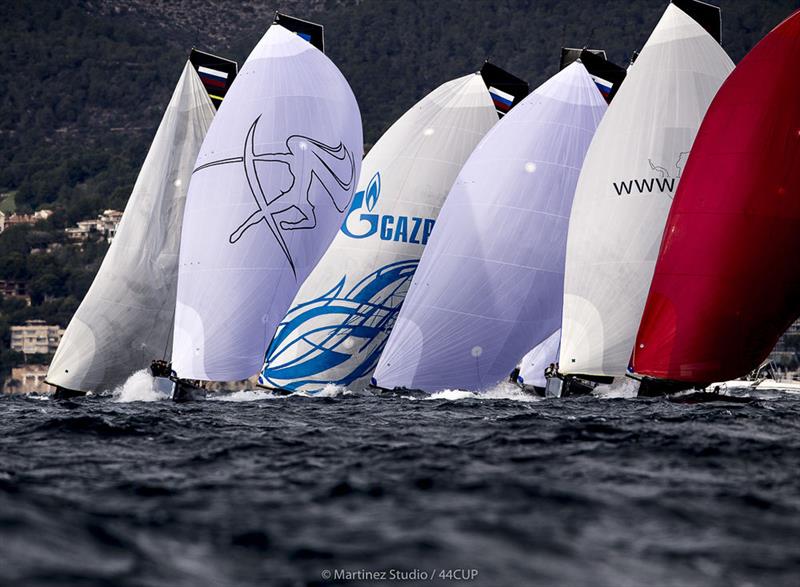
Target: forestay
(626, 188)
(342, 315)
(274, 178)
(489, 284)
(125, 320)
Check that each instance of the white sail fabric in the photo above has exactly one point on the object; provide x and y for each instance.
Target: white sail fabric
(340, 319)
(275, 176)
(626, 188)
(125, 320)
(489, 284)
(533, 365)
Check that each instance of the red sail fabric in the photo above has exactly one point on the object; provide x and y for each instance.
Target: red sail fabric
(727, 280)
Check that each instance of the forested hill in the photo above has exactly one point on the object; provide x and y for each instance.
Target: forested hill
(85, 82)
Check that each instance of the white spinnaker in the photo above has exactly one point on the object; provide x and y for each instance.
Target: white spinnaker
(626, 188)
(490, 282)
(533, 365)
(125, 320)
(273, 180)
(340, 319)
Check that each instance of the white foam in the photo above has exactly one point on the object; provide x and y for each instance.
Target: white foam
(330, 390)
(622, 388)
(140, 387)
(453, 394)
(503, 391)
(252, 395)
(245, 395)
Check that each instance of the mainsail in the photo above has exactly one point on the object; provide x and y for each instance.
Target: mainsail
(626, 188)
(125, 320)
(727, 281)
(489, 284)
(340, 319)
(273, 181)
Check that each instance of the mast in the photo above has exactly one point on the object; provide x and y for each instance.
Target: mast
(340, 319)
(727, 281)
(125, 319)
(626, 188)
(489, 284)
(270, 188)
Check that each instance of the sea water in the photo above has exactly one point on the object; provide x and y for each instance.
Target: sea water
(495, 489)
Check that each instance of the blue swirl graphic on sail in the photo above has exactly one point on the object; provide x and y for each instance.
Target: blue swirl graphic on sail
(338, 330)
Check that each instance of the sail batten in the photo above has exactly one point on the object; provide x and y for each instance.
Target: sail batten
(489, 284)
(626, 188)
(125, 320)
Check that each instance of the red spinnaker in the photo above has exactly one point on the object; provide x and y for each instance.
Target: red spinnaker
(727, 280)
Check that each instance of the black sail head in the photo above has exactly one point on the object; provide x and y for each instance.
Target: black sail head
(505, 89)
(216, 73)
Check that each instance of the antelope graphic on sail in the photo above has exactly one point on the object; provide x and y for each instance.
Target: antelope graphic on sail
(269, 208)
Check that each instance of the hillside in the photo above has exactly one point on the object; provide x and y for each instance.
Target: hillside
(86, 81)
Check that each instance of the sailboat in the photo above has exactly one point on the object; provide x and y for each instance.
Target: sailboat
(270, 188)
(489, 284)
(125, 319)
(727, 280)
(625, 191)
(340, 319)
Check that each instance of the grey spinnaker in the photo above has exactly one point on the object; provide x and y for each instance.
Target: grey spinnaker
(125, 320)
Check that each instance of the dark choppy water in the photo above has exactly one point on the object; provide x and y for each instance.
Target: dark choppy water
(609, 492)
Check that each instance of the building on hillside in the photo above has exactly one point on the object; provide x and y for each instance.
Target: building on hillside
(107, 223)
(82, 232)
(7, 221)
(36, 337)
(28, 379)
(14, 289)
(103, 227)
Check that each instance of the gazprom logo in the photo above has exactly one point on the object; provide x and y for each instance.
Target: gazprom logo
(360, 223)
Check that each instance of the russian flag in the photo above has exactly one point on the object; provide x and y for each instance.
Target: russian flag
(501, 99)
(213, 77)
(604, 86)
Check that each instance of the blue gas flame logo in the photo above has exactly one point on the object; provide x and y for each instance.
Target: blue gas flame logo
(341, 330)
(359, 224)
